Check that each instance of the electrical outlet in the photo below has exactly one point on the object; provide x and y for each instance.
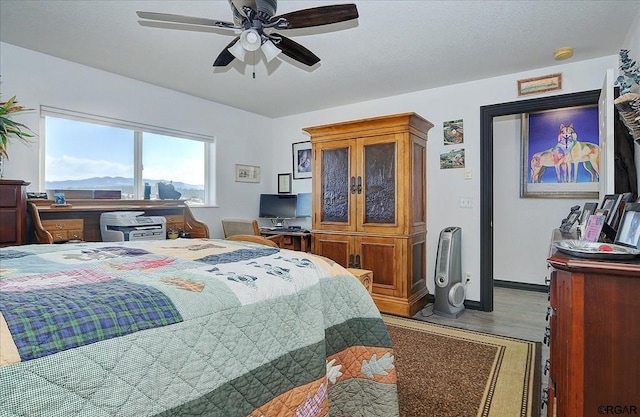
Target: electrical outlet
(468, 276)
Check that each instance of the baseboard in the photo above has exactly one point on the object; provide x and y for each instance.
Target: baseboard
(475, 305)
(470, 304)
(521, 286)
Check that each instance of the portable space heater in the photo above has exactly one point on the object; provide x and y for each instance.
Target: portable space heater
(449, 294)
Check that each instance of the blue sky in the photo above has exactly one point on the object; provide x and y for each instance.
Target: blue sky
(77, 150)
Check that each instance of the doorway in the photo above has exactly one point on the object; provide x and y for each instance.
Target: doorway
(487, 113)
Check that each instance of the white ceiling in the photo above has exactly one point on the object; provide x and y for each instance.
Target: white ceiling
(394, 47)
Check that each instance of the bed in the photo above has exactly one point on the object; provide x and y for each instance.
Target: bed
(188, 327)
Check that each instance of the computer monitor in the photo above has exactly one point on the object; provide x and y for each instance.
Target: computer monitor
(304, 205)
(278, 206)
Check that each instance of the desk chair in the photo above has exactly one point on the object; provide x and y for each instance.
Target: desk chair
(253, 239)
(244, 227)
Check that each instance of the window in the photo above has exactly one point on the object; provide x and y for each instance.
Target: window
(85, 152)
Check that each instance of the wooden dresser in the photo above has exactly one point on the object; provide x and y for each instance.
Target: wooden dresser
(81, 220)
(369, 204)
(13, 212)
(594, 336)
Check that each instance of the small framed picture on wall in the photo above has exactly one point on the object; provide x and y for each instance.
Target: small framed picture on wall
(301, 160)
(284, 183)
(247, 173)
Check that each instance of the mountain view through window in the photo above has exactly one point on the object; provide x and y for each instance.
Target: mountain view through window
(91, 156)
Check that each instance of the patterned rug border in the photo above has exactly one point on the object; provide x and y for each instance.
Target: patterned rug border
(499, 393)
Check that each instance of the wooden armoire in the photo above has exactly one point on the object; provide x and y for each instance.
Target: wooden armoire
(369, 204)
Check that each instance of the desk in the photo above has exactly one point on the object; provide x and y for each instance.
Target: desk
(300, 241)
(81, 219)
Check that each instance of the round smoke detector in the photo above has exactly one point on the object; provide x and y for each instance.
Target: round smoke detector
(563, 53)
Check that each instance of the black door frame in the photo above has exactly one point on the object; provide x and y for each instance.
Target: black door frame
(487, 113)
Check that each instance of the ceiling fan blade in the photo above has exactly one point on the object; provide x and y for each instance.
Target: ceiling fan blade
(296, 51)
(177, 18)
(318, 16)
(225, 56)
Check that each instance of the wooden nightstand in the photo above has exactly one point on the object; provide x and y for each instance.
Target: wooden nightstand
(365, 277)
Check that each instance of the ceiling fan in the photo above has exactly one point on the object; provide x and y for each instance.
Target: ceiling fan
(257, 27)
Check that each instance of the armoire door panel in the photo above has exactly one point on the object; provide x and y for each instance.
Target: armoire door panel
(418, 250)
(418, 198)
(384, 257)
(335, 185)
(381, 203)
(379, 183)
(335, 247)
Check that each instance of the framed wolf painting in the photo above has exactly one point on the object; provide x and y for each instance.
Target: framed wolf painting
(560, 153)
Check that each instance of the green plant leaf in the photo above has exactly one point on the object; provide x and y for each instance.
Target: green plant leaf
(12, 129)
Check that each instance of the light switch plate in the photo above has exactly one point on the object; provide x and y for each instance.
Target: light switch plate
(466, 202)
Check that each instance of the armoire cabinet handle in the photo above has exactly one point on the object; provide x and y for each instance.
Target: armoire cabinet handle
(351, 261)
(359, 185)
(353, 185)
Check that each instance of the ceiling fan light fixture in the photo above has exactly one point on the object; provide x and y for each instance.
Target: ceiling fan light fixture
(250, 40)
(270, 50)
(250, 20)
(238, 51)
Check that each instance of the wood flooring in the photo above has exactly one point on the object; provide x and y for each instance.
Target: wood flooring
(517, 313)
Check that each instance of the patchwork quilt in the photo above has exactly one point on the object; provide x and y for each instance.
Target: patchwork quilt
(188, 327)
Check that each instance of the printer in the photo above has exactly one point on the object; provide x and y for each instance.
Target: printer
(120, 226)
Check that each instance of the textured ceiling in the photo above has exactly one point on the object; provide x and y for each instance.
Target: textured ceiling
(394, 47)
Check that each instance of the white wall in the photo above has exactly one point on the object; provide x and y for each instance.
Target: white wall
(39, 79)
(632, 43)
(445, 187)
(522, 226)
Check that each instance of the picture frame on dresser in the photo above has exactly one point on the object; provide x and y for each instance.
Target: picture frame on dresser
(611, 202)
(588, 209)
(572, 217)
(629, 230)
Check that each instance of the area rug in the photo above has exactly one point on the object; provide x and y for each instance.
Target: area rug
(449, 372)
